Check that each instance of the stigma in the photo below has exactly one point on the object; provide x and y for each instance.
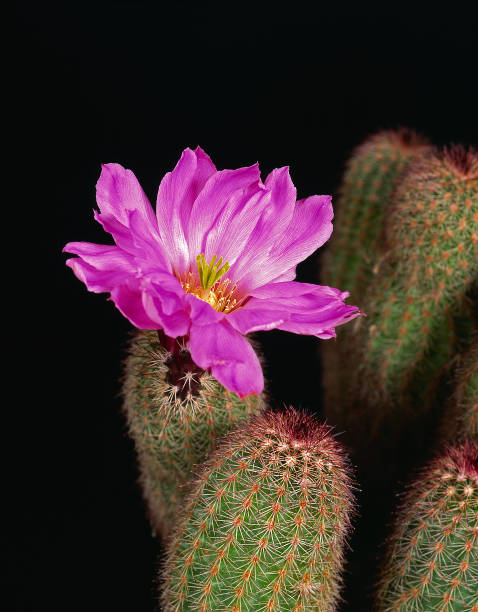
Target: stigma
(208, 284)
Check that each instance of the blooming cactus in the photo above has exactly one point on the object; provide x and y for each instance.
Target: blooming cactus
(216, 262)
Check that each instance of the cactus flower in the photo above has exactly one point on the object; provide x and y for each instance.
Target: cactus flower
(215, 263)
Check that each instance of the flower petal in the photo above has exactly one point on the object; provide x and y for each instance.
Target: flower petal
(309, 228)
(234, 225)
(128, 300)
(201, 312)
(228, 355)
(301, 308)
(209, 204)
(176, 195)
(118, 191)
(270, 227)
(163, 303)
(101, 267)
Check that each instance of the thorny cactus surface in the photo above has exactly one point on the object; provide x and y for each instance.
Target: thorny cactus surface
(266, 522)
(432, 563)
(176, 413)
(431, 264)
(418, 307)
(372, 174)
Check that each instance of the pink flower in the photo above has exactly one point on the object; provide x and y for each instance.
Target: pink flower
(216, 262)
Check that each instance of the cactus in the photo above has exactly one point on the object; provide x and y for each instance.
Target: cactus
(461, 417)
(175, 413)
(418, 307)
(432, 563)
(266, 523)
(371, 176)
(431, 238)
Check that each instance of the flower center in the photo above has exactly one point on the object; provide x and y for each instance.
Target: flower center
(209, 286)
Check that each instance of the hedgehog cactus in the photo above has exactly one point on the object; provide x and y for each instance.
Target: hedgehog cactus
(266, 523)
(176, 413)
(432, 562)
(431, 237)
(371, 176)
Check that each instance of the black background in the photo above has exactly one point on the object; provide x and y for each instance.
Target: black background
(296, 84)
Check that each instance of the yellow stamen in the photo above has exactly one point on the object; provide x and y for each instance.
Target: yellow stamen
(210, 274)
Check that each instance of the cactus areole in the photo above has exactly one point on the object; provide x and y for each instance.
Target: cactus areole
(216, 262)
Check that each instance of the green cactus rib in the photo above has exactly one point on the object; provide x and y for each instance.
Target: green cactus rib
(266, 523)
(354, 249)
(432, 563)
(175, 414)
(431, 264)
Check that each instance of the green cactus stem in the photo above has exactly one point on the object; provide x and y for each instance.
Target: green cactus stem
(266, 522)
(354, 249)
(431, 239)
(432, 563)
(175, 413)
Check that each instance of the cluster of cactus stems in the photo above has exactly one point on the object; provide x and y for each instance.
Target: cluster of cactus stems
(420, 273)
(265, 525)
(431, 261)
(432, 562)
(254, 505)
(176, 413)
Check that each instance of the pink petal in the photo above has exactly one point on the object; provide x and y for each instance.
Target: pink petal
(118, 191)
(301, 308)
(270, 227)
(309, 228)
(209, 204)
(176, 195)
(101, 267)
(234, 225)
(201, 312)
(128, 300)
(175, 324)
(229, 357)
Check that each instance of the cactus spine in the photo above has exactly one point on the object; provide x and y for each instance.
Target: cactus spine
(370, 178)
(175, 415)
(266, 522)
(432, 563)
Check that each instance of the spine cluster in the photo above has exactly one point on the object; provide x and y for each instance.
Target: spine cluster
(432, 562)
(176, 414)
(266, 522)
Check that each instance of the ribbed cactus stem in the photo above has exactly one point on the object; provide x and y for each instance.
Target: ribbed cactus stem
(432, 563)
(176, 413)
(354, 249)
(266, 522)
(431, 264)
